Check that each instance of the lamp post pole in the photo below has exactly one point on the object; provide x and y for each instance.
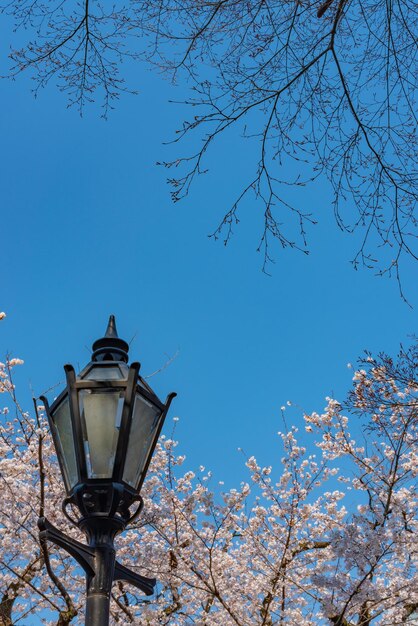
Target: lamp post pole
(105, 426)
(99, 585)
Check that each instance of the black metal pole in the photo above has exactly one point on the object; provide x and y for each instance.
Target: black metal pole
(99, 586)
(100, 536)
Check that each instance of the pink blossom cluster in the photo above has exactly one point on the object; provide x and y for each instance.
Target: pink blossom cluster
(327, 536)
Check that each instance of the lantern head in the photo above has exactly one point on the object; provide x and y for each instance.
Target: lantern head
(105, 426)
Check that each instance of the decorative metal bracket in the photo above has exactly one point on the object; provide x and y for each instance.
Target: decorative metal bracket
(88, 556)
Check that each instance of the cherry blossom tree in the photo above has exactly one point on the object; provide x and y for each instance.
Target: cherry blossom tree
(328, 537)
(317, 88)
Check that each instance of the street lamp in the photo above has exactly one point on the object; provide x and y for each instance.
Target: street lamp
(105, 425)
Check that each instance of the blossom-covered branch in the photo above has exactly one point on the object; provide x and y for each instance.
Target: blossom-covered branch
(326, 537)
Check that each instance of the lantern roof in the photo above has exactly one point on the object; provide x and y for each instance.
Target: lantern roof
(110, 347)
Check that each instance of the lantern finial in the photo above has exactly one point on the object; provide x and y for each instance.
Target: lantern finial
(110, 347)
(111, 328)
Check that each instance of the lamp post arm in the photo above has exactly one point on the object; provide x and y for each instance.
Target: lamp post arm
(142, 582)
(98, 562)
(84, 555)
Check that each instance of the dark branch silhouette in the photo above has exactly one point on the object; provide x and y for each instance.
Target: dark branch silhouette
(320, 88)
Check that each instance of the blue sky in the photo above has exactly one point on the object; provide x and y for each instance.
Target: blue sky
(88, 229)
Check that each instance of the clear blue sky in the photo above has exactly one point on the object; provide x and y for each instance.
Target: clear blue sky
(88, 229)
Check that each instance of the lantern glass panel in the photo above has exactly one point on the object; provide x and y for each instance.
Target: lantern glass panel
(101, 413)
(144, 427)
(106, 373)
(65, 440)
